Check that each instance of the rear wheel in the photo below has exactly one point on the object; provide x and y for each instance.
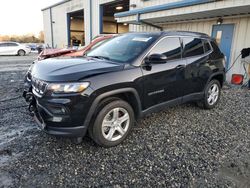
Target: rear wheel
(112, 123)
(212, 95)
(21, 53)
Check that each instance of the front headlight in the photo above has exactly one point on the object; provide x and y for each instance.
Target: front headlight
(77, 87)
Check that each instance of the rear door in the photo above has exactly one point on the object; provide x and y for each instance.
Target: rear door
(161, 82)
(197, 65)
(12, 48)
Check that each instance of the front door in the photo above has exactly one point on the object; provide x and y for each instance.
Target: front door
(161, 82)
(3, 49)
(224, 37)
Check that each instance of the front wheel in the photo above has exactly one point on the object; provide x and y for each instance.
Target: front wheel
(212, 95)
(113, 123)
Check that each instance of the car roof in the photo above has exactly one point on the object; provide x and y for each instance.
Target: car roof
(175, 33)
(8, 42)
(186, 33)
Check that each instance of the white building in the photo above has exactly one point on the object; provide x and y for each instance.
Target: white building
(226, 20)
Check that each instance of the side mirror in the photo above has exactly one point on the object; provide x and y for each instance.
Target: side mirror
(156, 59)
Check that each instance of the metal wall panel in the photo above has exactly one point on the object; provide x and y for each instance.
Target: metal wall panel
(142, 28)
(59, 25)
(47, 27)
(204, 10)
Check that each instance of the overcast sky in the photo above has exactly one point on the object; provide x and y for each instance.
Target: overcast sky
(22, 16)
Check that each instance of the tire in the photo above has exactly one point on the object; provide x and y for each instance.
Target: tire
(21, 52)
(109, 129)
(211, 96)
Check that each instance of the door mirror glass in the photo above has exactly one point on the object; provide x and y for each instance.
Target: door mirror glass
(156, 59)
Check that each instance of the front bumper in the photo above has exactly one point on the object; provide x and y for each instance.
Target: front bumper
(78, 131)
(62, 115)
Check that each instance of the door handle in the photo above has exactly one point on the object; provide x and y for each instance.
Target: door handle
(180, 66)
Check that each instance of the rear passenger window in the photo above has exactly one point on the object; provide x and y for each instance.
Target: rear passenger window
(216, 50)
(170, 47)
(12, 44)
(207, 46)
(192, 47)
(215, 46)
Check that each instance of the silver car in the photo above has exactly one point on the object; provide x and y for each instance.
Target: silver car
(13, 48)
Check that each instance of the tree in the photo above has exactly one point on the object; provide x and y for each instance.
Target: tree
(28, 38)
(4, 38)
(41, 36)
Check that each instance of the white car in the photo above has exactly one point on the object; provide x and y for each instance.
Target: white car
(13, 48)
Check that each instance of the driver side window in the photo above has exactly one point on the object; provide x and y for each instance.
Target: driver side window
(170, 47)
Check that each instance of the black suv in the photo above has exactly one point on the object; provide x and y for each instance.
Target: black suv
(122, 80)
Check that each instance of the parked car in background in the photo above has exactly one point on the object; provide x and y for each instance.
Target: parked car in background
(94, 44)
(14, 48)
(122, 80)
(48, 53)
(32, 46)
(40, 48)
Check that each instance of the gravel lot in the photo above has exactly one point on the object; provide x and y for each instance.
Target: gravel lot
(182, 146)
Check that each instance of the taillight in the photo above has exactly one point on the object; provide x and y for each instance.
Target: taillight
(237, 79)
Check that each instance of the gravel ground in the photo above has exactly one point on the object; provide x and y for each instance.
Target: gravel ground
(183, 146)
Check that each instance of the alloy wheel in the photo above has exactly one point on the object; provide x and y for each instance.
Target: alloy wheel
(115, 124)
(21, 53)
(213, 94)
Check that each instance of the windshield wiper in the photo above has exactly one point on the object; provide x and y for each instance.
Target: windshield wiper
(99, 57)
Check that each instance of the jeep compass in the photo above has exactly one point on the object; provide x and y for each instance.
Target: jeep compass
(128, 77)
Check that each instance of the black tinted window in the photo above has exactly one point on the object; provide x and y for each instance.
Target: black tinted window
(216, 50)
(3, 44)
(215, 46)
(207, 46)
(12, 44)
(170, 47)
(192, 47)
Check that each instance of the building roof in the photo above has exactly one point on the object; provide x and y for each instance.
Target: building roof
(56, 4)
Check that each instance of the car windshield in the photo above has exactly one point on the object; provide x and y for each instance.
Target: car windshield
(99, 43)
(124, 48)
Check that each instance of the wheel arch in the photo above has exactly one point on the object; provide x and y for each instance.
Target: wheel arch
(21, 50)
(220, 76)
(129, 95)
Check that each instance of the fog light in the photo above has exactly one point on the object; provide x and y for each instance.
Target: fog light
(57, 119)
(57, 110)
(237, 79)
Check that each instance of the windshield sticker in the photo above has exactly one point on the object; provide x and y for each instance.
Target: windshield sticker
(141, 39)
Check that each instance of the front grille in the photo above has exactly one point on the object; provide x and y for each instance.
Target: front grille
(39, 86)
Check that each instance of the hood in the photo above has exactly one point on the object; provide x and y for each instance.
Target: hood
(72, 69)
